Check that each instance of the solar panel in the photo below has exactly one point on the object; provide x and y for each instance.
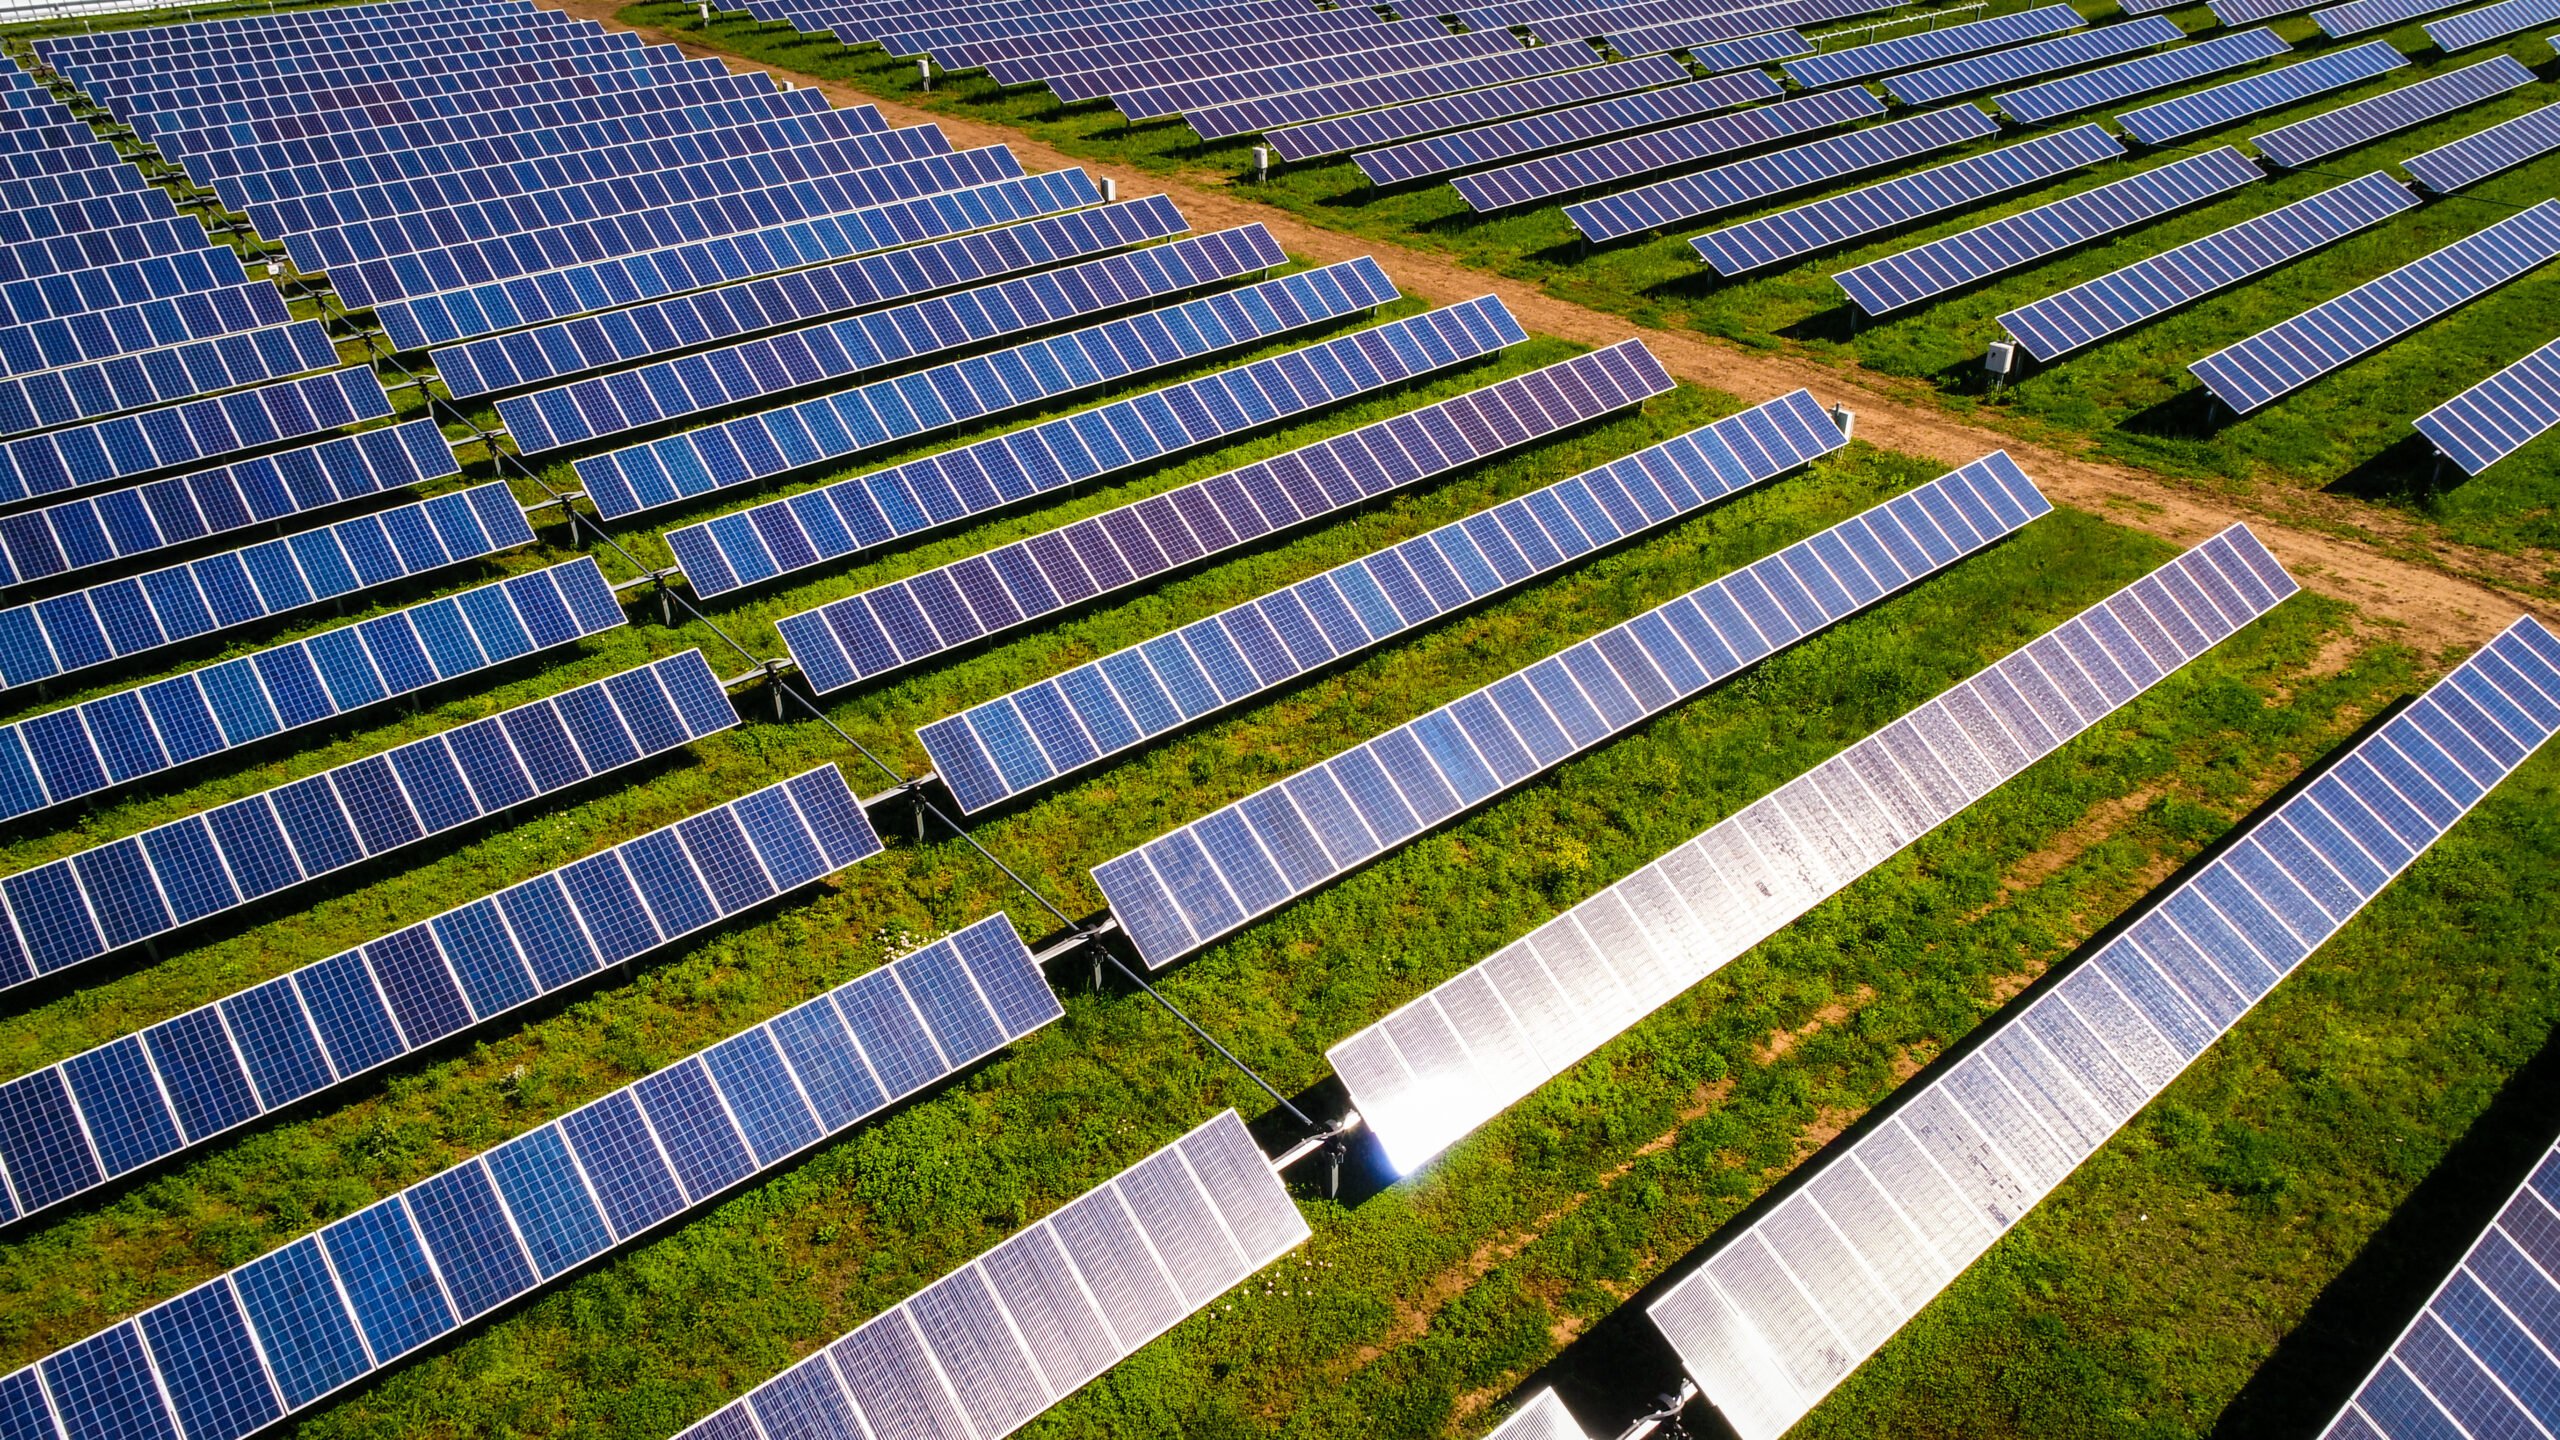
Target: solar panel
(2491, 22)
(2358, 17)
(103, 451)
(1941, 266)
(2157, 284)
(618, 337)
(1784, 1309)
(1732, 25)
(829, 427)
(1132, 697)
(170, 296)
(470, 310)
(1595, 165)
(813, 528)
(876, 631)
(1862, 62)
(2349, 126)
(919, 401)
(2074, 93)
(367, 1291)
(1809, 229)
(1157, 102)
(1403, 122)
(2045, 57)
(2502, 146)
(1541, 1417)
(63, 327)
(2499, 416)
(1092, 73)
(122, 524)
(2237, 100)
(1032, 1320)
(2284, 357)
(97, 389)
(1449, 1061)
(2250, 12)
(1207, 879)
(1300, 106)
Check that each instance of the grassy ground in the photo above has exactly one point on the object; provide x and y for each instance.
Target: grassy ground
(2133, 398)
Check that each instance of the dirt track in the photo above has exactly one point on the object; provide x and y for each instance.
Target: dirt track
(2434, 608)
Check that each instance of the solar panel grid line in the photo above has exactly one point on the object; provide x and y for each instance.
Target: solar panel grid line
(964, 46)
(2009, 1121)
(2349, 126)
(2045, 57)
(1475, 107)
(106, 213)
(1248, 859)
(1865, 62)
(2286, 356)
(1810, 229)
(2237, 100)
(126, 447)
(1446, 1062)
(330, 1307)
(994, 751)
(2095, 309)
(181, 242)
(2248, 12)
(249, 60)
(339, 85)
(95, 390)
(830, 427)
(963, 27)
(1540, 1417)
(883, 411)
(593, 342)
(1741, 182)
(145, 57)
(1098, 1278)
(875, 631)
(1707, 139)
(2491, 22)
(1093, 74)
(2359, 17)
(779, 537)
(1160, 101)
(135, 98)
(1555, 24)
(2499, 416)
(142, 335)
(74, 535)
(1302, 106)
(2072, 94)
(1719, 27)
(469, 311)
(2501, 147)
(1946, 265)
(1750, 50)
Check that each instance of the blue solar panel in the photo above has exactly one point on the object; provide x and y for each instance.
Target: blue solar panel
(2155, 285)
(1670, 202)
(618, 337)
(2045, 57)
(495, 1227)
(1297, 107)
(470, 310)
(118, 894)
(2502, 146)
(888, 411)
(1584, 123)
(2358, 17)
(1717, 27)
(1941, 266)
(773, 442)
(994, 751)
(42, 291)
(878, 630)
(122, 524)
(1809, 229)
(1157, 102)
(1478, 107)
(138, 381)
(2074, 93)
(2492, 22)
(2247, 12)
(72, 319)
(103, 451)
(1970, 1153)
(2256, 94)
(1090, 74)
(1863, 62)
(2499, 416)
(2345, 128)
(2283, 358)
(1214, 875)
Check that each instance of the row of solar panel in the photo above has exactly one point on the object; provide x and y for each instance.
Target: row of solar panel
(91, 391)
(2349, 126)
(869, 633)
(1532, 133)
(56, 292)
(365, 1291)
(758, 446)
(1151, 102)
(734, 551)
(634, 333)
(1866, 62)
(103, 451)
(243, 58)
(1014, 743)
(2500, 415)
(1186, 888)
(70, 337)
(125, 245)
(1102, 37)
(1718, 28)
(348, 29)
(1091, 72)
(2111, 83)
(212, 81)
(1781, 1312)
(1298, 107)
(892, 410)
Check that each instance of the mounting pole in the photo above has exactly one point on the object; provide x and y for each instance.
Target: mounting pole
(1666, 1409)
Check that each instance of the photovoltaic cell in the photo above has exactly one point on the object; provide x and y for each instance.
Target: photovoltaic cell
(2358, 17)
(1882, 286)
(1768, 1326)
(776, 538)
(1214, 875)
(2045, 57)
(2502, 146)
(994, 751)
(1718, 27)
(277, 1334)
(2105, 86)
(875, 631)
(1596, 165)
(138, 379)
(2237, 100)
(2349, 126)
(57, 462)
(1770, 239)
(2491, 22)
(1444, 1064)
(1476, 107)
(1864, 62)
(1155, 102)
(1300, 107)
(1541, 1417)
(2153, 286)
(2284, 357)
(2499, 416)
